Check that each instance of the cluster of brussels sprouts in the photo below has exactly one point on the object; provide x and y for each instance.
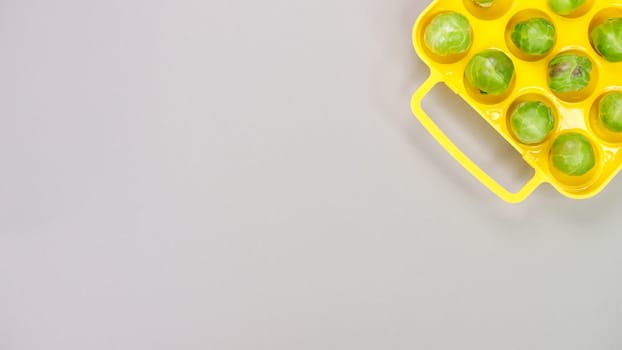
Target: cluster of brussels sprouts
(491, 72)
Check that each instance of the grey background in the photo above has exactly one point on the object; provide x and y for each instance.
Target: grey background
(190, 174)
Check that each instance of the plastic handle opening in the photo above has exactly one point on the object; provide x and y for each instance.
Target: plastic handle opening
(466, 162)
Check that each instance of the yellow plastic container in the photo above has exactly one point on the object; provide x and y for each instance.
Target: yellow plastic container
(575, 113)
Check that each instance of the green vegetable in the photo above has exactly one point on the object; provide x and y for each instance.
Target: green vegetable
(535, 36)
(607, 39)
(569, 73)
(484, 3)
(565, 7)
(610, 111)
(573, 154)
(448, 34)
(531, 122)
(490, 71)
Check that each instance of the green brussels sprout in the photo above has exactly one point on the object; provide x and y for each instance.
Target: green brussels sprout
(531, 122)
(490, 71)
(569, 73)
(565, 7)
(607, 39)
(448, 34)
(573, 154)
(610, 111)
(484, 3)
(535, 36)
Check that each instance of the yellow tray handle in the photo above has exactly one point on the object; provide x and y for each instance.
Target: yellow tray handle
(443, 140)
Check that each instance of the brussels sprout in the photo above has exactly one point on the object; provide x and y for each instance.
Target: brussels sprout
(490, 71)
(610, 111)
(565, 7)
(448, 34)
(573, 154)
(569, 73)
(535, 36)
(607, 39)
(531, 122)
(484, 3)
